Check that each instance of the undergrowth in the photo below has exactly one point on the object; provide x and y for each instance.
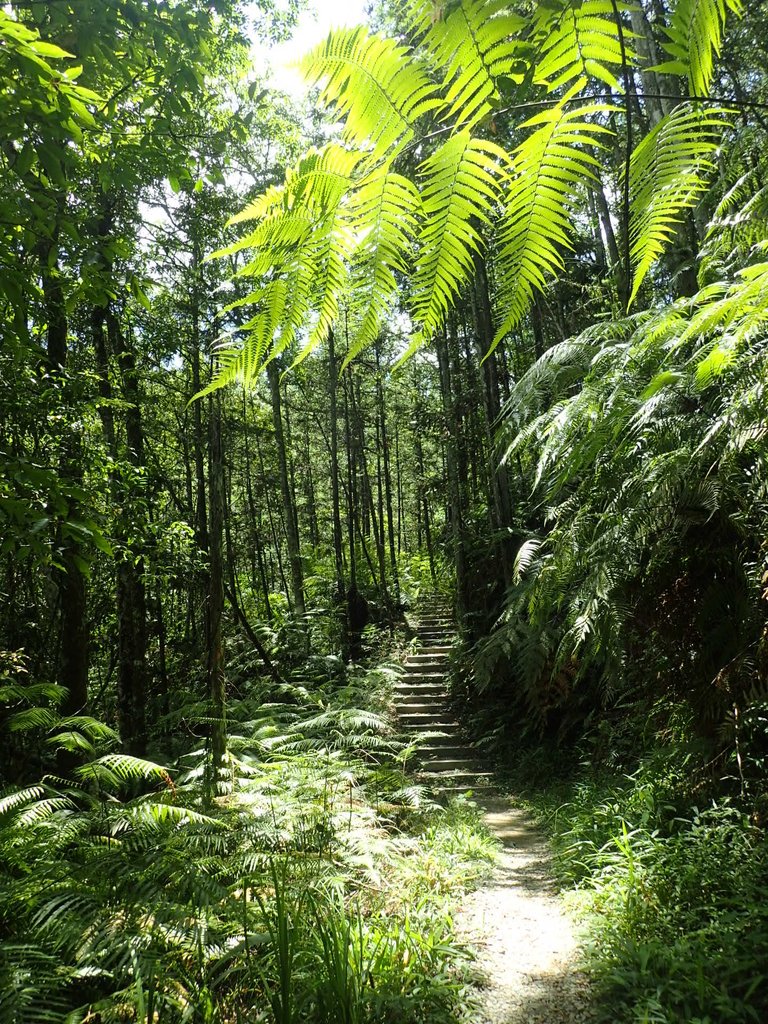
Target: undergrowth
(315, 885)
(668, 860)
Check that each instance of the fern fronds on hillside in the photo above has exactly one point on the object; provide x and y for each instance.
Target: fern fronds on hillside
(634, 437)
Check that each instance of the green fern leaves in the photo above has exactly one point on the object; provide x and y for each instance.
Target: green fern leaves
(580, 39)
(375, 85)
(695, 35)
(668, 173)
(549, 167)
(350, 221)
(461, 185)
(385, 212)
(475, 43)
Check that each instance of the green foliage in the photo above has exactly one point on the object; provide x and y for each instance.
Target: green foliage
(294, 897)
(645, 445)
(674, 893)
(471, 187)
(667, 175)
(549, 165)
(694, 38)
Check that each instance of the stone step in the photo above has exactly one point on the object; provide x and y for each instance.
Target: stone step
(419, 704)
(448, 765)
(445, 746)
(419, 685)
(455, 777)
(418, 721)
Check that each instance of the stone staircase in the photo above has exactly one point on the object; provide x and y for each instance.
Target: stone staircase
(446, 763)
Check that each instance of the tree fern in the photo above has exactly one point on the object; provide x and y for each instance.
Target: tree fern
(694, 38)
(549, 166)
(668, 174)
(384, 214)
(375, 84)
(579, 40)
(461, 184)
(473, 43)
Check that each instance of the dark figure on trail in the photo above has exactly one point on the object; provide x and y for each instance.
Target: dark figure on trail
(358, 617)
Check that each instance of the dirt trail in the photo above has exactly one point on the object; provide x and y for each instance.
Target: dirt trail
(527, 945)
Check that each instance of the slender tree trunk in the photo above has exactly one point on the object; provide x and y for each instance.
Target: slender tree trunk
(498, 473)
(289, 515)
(456, 511)
(387, 481)
(70, 579)
(338, 542)
(423, 503)
(256, 538)
(131, 593)
(215, 605)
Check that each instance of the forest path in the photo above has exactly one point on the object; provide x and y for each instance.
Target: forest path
(527, 945)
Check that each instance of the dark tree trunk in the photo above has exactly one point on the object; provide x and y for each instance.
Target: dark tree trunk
(289, 514)
(215, 604)
(70, 579)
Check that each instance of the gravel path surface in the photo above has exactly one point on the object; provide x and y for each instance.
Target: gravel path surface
(526, 942)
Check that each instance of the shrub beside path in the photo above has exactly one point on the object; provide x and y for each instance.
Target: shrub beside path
(527, 945)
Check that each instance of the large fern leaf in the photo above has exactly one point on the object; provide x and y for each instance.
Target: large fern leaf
(475, 42)
(384, 213)
(668, 174)
(462, 182)
(549, 167)
(375, 84)
(695, 35)
(579, 39)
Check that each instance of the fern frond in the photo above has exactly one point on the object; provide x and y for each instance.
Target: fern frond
(694, 38)
(462, 182)
(549, 166)
(374, 84)
(384, 215)
(579, 39)
(474, 43)
(668, 175)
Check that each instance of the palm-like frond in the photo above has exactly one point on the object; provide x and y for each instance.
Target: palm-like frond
(579, 40)
(375, 84)
(694, 38)
(549, 166)
(462, 182)
(384, 215)
(668, 174)
(474, 43)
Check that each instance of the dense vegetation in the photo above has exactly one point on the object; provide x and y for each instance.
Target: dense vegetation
(486, 316)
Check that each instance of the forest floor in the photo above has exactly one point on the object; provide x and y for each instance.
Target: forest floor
(527, 943)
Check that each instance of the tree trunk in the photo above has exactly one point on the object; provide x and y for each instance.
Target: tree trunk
(338, 543)
(289, 514)
(215, 604)
(70, 579)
